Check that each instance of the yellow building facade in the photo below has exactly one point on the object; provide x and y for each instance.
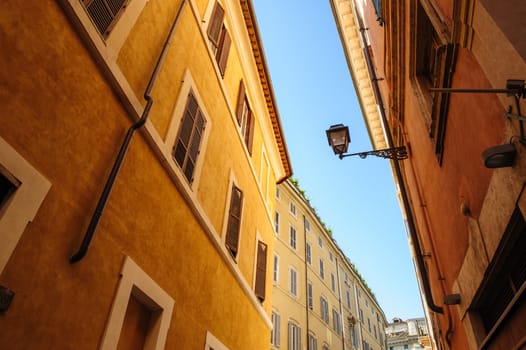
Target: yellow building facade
(140, 149)
(319, 301)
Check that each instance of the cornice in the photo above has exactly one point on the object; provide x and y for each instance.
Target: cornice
(264, 76)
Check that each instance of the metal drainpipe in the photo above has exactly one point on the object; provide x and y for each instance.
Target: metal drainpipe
(125, 146)
(340, 302)
(405, 200)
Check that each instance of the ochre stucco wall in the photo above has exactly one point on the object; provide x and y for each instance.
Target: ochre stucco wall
(71, 133)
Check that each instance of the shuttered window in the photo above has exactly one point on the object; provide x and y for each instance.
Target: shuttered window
(234, 220)
(261, 271)
(275, 334)
(245, 118)
(313, 342)
(309, 296)
(294, 337)
(219, 37)
(308, 254)
(293, 282)
(105, 13)
(324, 310)
(502, 293)
(188, 141)
(293, 237)
(336, 321)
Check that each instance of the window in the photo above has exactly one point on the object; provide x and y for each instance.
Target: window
(308, 253)
(188, 141)
(498, 302)
(378, 10)
(320, 242)
(139, 300)
(244, 116)
(361, 315)
(348, 295)
(354, 340)
(431, 65)
(313, 342)
(366, 303)
(324, 309)
(406, 346)
(322, 272)
(275, 277)
(293, 237)
(307, 224)
(276, 222)
(333, 284)
(336, 323)
(219, 37)
(8, 185)
(369, 324)
(294, 336)
(331, 257)
(277, 193)
(22, 191)
(293, 282)
(309, 296)
(261, 271)
(275, 333)
(212, 343)
(375, 334)
(105, 13)
(292, 208)
(234, 220)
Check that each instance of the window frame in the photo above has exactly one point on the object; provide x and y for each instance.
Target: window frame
(22, 205)
(433, 107)
(232, 242)
(134, 281)
(275, 332)
(293, 237)
(293, 279)
(245, 119)
(261, 270)
(294, 333)
(324, 309)
(322, 269)
(308, 253)
(219, 37)
(310, 296)
(194, 133)
(275, 269)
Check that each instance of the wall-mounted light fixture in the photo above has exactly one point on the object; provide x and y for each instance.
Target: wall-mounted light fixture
(500, 156)
(339, 139)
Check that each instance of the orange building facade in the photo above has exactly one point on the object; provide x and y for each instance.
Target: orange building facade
(465, 213)
(140, 149)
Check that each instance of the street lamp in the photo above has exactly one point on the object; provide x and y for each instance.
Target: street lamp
(339, 139)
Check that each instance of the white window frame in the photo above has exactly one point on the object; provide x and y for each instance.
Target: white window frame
(23, 204)
(293, 275)
(292, 208)
(293, 238)
(212, 343)
(275, 269)
(275, 333)
(310, 296)
(276, 222)
(294, 336)
(110, 47)
(134, 281)
(188, 86)
(308, 253)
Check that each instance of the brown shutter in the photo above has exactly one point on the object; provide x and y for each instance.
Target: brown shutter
(234, 220)
(104, 13)
(223, 50)
(261, 271)
(249, 132)
(216, 21)
(240, 102)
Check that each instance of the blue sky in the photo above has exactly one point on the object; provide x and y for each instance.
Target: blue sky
(355, 197)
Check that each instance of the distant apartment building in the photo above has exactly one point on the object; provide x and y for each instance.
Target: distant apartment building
(319, 301)
(411, 334)
(140, 147)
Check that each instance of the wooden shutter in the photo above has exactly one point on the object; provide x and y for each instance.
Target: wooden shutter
(104, 13)
(234, 220)
(240, 102)
(249, 133)
(216, 22)
(261, 271)
(223, 50)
